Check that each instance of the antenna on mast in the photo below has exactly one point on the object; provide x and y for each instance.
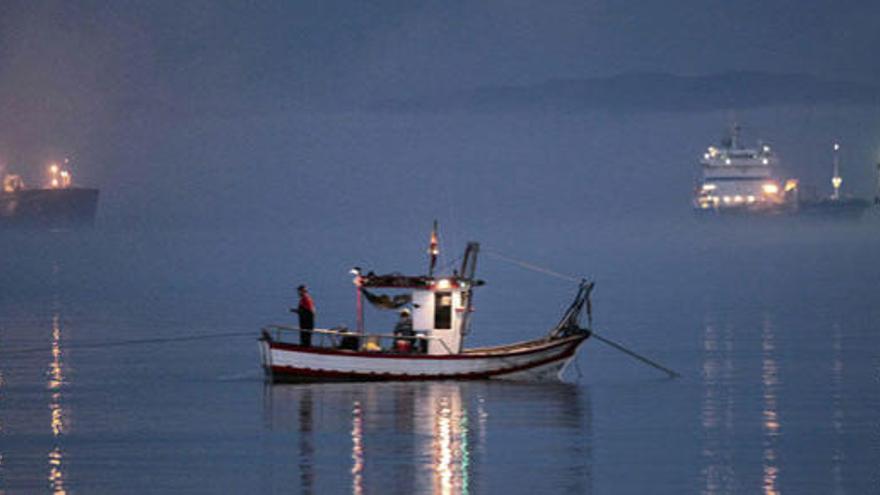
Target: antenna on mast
(433, 250)
(836, 180)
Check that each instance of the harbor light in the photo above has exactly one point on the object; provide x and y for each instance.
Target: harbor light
(770, 188)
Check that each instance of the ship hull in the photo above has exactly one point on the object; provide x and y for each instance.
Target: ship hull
(539, 360)
(49, 208)
(848, 208)
(830, 209)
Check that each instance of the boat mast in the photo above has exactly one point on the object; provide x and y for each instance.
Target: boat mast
(836, 180)
(358, 284)
(433, 249)
(468, 270)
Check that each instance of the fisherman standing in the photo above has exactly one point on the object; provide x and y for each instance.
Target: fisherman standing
(306, 312)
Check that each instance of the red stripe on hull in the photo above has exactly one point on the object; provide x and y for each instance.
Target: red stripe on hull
(293, 374)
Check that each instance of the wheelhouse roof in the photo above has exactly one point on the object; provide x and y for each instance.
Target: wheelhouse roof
(400, 281)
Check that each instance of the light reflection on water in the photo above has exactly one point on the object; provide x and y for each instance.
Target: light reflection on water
(838, 418)
(430, 437)
(58, 420)
(717, 409)
(772, 422)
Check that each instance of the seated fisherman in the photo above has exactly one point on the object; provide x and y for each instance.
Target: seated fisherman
(404, 328)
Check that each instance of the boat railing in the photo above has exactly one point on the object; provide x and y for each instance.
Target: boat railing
(336, 338)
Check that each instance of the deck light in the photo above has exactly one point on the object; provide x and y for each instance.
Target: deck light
(770, 188)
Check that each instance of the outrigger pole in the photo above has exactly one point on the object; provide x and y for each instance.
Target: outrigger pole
(570, 324)
(643, 359)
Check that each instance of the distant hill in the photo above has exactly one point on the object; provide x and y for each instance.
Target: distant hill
(636, 92)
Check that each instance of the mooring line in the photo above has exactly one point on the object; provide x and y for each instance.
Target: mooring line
(121, 343)
(533, 267)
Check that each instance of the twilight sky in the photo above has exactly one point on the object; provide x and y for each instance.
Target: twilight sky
(160, 101)
(298, 50)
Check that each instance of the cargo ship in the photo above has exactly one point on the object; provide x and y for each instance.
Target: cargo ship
(59, 205)
(742, 180)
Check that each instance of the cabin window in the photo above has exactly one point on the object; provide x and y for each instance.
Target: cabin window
(443, 310)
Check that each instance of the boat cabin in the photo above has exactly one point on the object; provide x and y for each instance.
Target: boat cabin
(440, 306)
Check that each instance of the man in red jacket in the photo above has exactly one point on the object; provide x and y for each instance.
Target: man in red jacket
(306, 312)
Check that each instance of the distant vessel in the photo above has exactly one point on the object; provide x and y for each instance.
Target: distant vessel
(736, 179)
(836, 205)
(58, 205)
(741, 180)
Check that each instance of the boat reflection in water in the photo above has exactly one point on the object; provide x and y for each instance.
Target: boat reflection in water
(432, 436)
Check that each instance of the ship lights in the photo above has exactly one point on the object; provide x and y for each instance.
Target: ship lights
(770, 188)
(750, 198)
(765, 161)
(58, 177)
(444, 283)
(709, 187)
(791, 185)
(737, 199)
(727, 161)
(836, 181)
(726, 199)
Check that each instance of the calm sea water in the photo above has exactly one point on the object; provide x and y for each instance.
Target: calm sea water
(775, 329)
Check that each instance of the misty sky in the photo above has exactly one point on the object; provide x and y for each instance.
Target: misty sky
(163, 101)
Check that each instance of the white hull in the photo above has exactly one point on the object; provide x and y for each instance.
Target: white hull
(532, 361)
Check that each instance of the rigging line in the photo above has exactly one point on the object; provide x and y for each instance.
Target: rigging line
(530, 266)
(120, 343)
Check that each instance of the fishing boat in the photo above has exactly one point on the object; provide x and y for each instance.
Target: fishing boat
(442, 307)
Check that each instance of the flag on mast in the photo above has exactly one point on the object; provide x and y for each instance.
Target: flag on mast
(433, 249)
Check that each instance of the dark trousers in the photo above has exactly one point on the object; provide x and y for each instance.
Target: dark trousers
(306, 322)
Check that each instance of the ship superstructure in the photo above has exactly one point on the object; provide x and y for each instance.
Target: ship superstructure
(735, 178)
(57, 205)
